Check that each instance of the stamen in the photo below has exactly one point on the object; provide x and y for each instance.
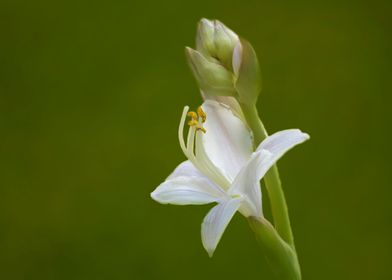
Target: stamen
(193, 122)
(197, 119)
(193, 115)
(201, 114)
(181, 130)
(201, 161)
(190, 145)
(199, 127)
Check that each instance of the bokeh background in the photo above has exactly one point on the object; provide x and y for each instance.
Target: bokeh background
(90, 98)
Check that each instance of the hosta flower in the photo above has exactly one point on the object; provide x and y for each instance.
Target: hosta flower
(222, 167)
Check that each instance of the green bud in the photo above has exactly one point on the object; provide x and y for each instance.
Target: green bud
(216, 42)
(212, 78)
(247, 72)
(223, 64)
(205, 38)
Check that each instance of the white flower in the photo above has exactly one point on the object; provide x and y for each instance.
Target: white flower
(222, 167)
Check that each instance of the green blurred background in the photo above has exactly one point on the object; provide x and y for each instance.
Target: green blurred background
(90, 99)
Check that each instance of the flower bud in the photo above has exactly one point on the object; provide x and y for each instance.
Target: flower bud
(247, 72)
(224, 64)
(215, 41)
(205, 38)
(212, 78)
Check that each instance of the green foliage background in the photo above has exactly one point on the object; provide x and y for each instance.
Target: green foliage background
(90, 98)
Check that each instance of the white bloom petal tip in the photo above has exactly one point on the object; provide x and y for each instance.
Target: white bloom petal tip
(297, 132)
(216, 221)
(282, 141)
(304, 136)
(153, 195)
(210, 253)
(158, 197)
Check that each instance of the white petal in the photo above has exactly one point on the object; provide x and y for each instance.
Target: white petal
(185, 168)
(280, 142)
(227, 140)
(247, 183)
(186, 185)
(215, 223)
(269, 151)
(229, 101)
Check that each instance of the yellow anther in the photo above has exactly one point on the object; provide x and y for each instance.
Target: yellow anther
(192, 114)
(195, 119)
(193, 122)
(199, 127)
(201, 114)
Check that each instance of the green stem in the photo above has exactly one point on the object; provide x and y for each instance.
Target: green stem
(281, 257)
(272, 181)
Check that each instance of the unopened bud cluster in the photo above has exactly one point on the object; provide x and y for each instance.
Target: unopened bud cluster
(223, 64)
